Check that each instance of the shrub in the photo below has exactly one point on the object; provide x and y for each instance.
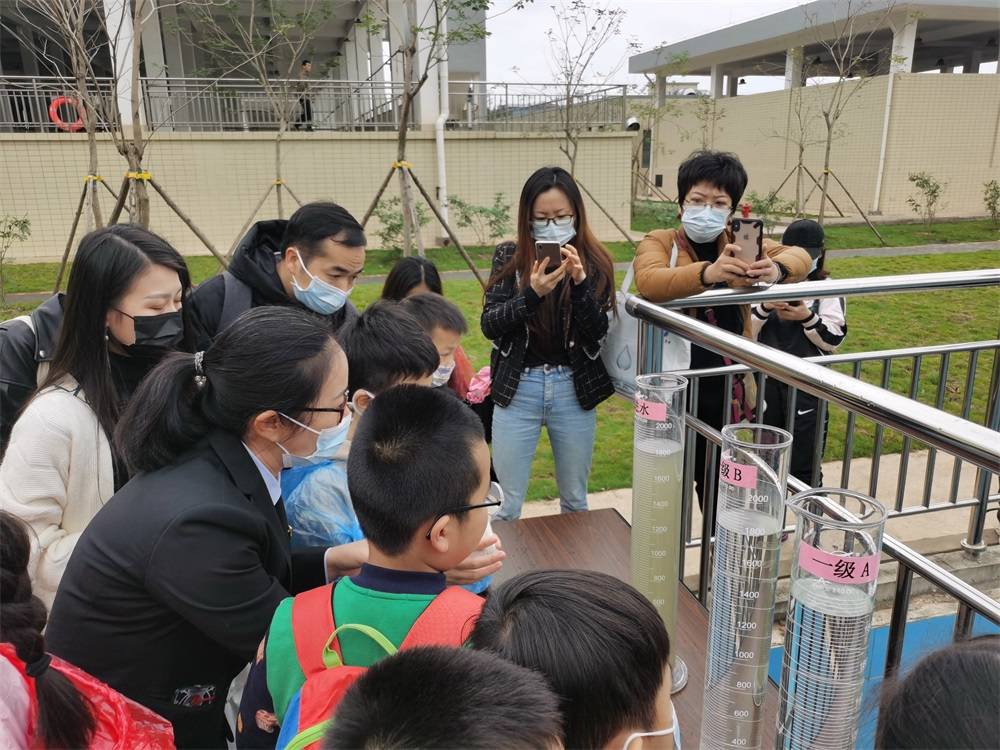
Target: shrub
(488, 223)
(991, 199)
(770, 208)
(390, 218)
(12, 229)
(928, 201)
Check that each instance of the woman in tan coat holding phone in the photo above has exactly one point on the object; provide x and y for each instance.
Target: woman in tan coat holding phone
(710, 185)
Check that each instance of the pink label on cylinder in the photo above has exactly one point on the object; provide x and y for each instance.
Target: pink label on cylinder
(651, 410)
(738, 475)
(838, 568)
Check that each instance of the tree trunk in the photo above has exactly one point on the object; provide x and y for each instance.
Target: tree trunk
(799, 208)
(138, 194)
(405, 195)
(826, 174)
(135, 144)
(277, 167)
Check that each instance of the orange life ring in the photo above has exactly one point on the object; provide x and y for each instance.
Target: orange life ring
(69, 127)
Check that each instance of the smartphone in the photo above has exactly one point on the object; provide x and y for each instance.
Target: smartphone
(550, 251)
(749, 235)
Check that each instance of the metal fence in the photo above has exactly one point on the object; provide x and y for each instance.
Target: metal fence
(953, 435)
(230, 104)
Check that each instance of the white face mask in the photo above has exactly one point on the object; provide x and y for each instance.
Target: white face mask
(442, 375)
(328, 442)
(673, 729)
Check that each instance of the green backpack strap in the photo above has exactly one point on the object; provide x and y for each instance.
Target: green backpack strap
(308, 736)
(332, 659)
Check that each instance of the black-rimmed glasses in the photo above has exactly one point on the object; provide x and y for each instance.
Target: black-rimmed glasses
(494, 501)
(327, 409)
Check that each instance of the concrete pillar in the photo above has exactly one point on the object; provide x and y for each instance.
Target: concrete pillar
(904, 39)
(972, 62)
(715, 86)
(793, 68)
(428, 103)
(118, 18)
(173, 50)
(661, 91)
(732, 84)
(155, 59)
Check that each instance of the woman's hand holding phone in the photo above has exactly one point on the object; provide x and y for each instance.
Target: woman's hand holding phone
(765, 270)
(543, 282)
(727, 268)
(576, 270)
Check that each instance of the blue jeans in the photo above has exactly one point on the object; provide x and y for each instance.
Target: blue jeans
(545, 396)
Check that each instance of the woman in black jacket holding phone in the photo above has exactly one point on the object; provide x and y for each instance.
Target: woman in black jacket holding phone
(172, 585)
(547, 326)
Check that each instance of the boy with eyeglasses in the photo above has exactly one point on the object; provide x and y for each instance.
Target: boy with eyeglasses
(675, 263)
(419, 479)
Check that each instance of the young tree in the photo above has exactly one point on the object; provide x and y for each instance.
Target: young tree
(258, 37)
(850, 55)
(424, 44)
(582, 29)
(12, 229)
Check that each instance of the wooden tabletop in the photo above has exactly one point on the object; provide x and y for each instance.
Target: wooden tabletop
(599, 540)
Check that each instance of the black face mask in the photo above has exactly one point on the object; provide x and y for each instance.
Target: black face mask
(155, 335)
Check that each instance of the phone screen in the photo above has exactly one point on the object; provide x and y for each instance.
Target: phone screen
(551, 251)
(749, 235)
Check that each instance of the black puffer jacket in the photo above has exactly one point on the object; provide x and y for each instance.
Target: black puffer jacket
(506, 313)
(254, 268)
(24, 347)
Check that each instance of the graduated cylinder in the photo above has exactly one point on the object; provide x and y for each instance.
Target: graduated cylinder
(657, 482)
(749, 514)
(834, 574)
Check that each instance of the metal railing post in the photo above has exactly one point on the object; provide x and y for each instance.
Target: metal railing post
(973, 542)
(897, 624)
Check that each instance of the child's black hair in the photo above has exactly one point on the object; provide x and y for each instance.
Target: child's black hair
(384, 346)
(446, 698)
(409, 273)
(599, 642)
(718, 168)
(950, 699)
(411, 459)
(434, 311)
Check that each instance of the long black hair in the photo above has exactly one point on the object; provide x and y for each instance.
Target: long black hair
(64, 715)
(596, 260)
(107, 263)
(949, 699)
(269, 358)
(409, 273)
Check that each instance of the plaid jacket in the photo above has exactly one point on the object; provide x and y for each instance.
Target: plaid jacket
(505, 322)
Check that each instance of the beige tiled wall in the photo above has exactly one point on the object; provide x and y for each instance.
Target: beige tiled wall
(942, 124)
(218, 178)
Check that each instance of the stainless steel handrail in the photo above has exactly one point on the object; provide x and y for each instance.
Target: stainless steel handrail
(960, 437)
(839, 359)
(946, 280)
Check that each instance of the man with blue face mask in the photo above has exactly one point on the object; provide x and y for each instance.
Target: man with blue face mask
(312, 260)
(676, 263)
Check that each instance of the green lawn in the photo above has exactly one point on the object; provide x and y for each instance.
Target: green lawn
(903, 235)
(875, 323)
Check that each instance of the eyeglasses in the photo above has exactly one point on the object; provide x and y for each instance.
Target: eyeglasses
(494, 501)
(719, 204)
(559, 221)
(327, 409)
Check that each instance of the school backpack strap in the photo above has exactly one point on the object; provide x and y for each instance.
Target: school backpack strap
(447, 621)
(237, 300)
(312, 623)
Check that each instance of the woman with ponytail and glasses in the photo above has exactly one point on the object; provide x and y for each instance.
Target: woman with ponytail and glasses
(172, 586)
(547, 326)
(45, 702)
(123, 313)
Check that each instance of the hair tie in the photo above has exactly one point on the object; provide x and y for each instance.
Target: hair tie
(37, 668)
(199, 369)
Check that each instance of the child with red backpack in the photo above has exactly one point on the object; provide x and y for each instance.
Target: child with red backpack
(418, 475)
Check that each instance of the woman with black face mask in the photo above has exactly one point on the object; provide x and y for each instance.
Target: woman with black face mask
(123, 312)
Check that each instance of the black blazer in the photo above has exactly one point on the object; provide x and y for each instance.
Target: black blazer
(172, 585)
(504, 321)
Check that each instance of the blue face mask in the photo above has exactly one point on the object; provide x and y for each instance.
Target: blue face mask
(328, 442)
(545, 231)
(319, 296)
(704, 223)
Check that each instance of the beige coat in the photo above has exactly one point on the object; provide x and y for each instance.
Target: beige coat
(55, 476)
(658, 282)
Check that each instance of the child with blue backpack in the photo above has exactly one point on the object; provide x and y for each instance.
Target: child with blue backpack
(386, 346)
(419, 480)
